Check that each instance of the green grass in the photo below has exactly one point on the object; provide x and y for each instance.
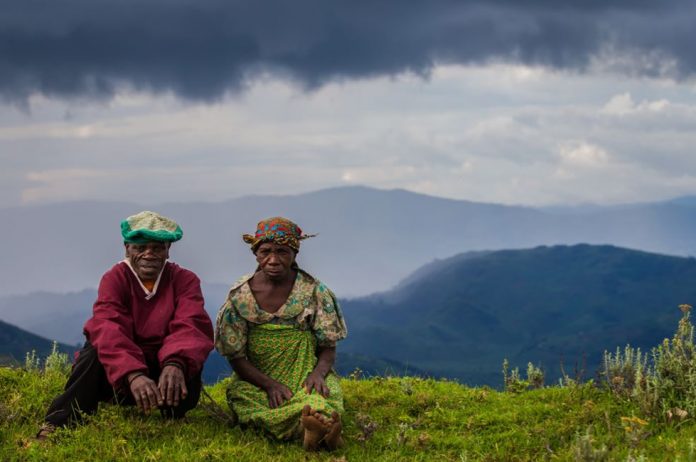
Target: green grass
(416, 419)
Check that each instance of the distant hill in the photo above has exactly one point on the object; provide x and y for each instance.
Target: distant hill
(462, 316)
(61, 317)
(362, 365)
(51, 315)
(459, 317)
(15, 343)
(368, 239)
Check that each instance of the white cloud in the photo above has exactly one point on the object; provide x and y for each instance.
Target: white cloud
(67, 184)
(580, 153)
(619, 105)
(492, 133)
(623, 104)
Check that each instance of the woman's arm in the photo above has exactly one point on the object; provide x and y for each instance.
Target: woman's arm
(316, 379)
(276, 391)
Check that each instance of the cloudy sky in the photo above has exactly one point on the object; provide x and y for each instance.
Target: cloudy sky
(519, 102)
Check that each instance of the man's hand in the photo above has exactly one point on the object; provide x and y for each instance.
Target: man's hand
(277, 394)
(172, 385)
(315, 381)
(144, 389)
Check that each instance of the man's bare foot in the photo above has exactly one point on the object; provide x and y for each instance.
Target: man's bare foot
(333, 438)
(316, 426)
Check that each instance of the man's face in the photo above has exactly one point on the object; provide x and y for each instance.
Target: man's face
(148, 259)
(275, 260)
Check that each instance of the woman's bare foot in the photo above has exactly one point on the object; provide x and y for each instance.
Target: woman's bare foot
(316, 426)
(333, 438)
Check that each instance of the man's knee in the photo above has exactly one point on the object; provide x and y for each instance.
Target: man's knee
(83, 389)
(194, 387)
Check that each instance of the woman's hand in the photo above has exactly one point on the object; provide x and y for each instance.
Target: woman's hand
(276, 391)
(315, 381)
(277, 394)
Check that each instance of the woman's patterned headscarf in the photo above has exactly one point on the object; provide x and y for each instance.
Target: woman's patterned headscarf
(278, 230)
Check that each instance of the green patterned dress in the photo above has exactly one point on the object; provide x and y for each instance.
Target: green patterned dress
(283, 346)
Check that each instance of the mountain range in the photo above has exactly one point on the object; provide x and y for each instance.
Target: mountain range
(557, 307)
(60, 317)
(368, 240)
(459, 317)
(16, 343)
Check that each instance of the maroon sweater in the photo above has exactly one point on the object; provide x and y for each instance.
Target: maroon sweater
(128, 331)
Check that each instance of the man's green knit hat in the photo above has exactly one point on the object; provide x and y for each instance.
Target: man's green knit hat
(149, 226)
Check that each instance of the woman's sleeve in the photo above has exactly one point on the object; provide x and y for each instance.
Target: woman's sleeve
(230, 332)
(328, 324)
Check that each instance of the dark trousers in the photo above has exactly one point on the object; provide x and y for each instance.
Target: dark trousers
(88, 385)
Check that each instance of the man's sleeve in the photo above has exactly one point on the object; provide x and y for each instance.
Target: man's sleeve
(190, 337)
(110, 331)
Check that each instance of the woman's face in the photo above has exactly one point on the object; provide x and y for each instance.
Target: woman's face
(275, 260)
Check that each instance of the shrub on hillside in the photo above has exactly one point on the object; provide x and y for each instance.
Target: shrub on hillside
(663, 383)
(55, 363)
(513, 380)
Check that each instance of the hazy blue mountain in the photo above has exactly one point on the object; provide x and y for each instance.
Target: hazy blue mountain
(547, 305)
(368, 239)
(689, 201)
(55, 316)
(459, 317)
(15, 343)
(61, 316)
(368, 366)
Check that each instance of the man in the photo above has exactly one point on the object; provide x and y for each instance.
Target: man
(149, 334)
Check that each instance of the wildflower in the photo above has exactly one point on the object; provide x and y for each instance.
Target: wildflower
(632, 424)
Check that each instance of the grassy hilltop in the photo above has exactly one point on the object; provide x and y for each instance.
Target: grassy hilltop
(415, 420)
(643, 410)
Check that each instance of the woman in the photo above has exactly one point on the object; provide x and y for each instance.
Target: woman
(279, 328)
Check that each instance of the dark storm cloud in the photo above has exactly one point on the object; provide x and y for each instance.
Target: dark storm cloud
(200, 49)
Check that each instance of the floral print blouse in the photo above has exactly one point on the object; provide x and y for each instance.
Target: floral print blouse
(310, 306)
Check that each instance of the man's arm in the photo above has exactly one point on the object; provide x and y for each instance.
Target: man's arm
(189, 341)
(110, 331)
(190, 337)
